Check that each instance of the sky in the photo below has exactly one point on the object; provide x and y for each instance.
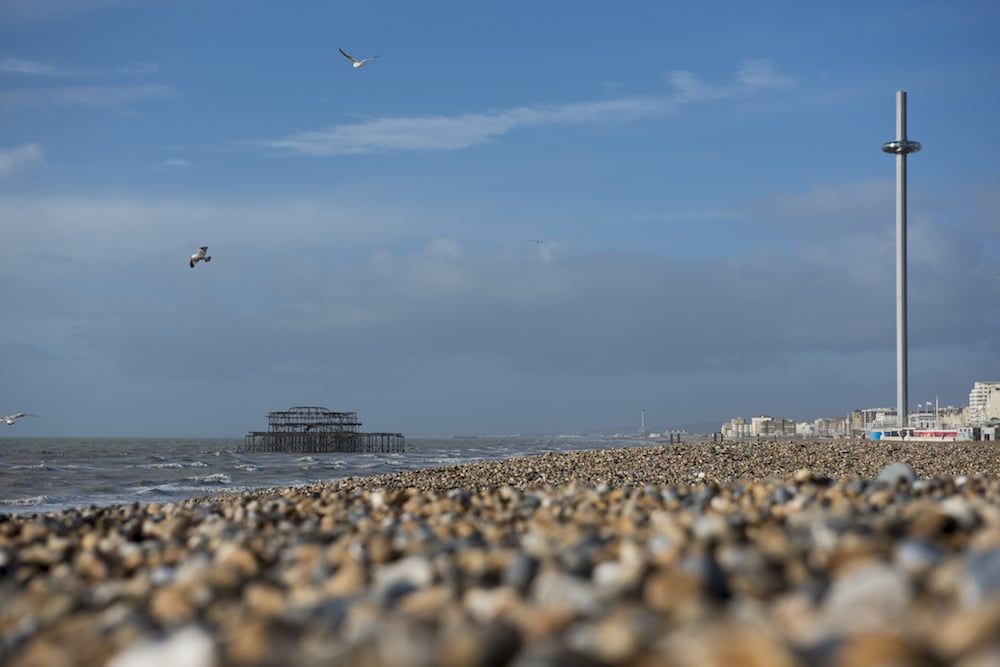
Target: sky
(716, 218)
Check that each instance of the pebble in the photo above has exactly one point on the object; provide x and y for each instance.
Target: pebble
(189, 647)
(867, 596)
(773, 553)
(982, 577)
(895, 473)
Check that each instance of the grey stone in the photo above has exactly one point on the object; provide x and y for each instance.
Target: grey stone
(866, 597)
(894, 473)
(982, 577)
(917, 557)
(782, 495)
(520, 572)
(567, 592)
(413, 571)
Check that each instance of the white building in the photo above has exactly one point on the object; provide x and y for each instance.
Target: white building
(984, 402)
(805, 429)
(832, 427)
(738, 427)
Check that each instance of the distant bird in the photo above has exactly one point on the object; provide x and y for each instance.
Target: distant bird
(10, 419)
(202, 254)
(536, 241)
(355, 62)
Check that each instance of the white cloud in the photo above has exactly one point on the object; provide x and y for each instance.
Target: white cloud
(763, 74)
(442, 133)
(12, 159)
(17, 66)
(689, 87)
(449, 248)
(752, 76)
(456, 132)
(90, 96)
(36, 68)
(176, 162)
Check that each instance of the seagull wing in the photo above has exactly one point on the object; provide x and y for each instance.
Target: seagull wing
(22, 414)
(204, 248)
(347, 55)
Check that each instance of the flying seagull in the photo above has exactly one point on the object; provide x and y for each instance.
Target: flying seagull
(202, 254)
(10, 419)
(355, 62)
(536, 241)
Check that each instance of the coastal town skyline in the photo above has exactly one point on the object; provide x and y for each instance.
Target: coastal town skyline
(619, 215)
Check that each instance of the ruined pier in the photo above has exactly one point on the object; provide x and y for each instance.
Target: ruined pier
(306, 429)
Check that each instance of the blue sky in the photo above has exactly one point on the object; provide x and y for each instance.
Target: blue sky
(718, 219)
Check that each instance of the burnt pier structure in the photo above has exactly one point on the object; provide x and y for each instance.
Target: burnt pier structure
(306, 429)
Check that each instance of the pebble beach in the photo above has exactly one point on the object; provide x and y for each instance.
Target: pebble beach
(840, 553)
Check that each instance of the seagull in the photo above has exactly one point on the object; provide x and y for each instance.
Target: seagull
(536, 241)
(10, 419)
(202, 254)
(356, 63)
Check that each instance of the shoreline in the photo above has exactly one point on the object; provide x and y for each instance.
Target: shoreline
(794, 552)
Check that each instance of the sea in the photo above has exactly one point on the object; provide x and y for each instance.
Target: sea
(39, 475)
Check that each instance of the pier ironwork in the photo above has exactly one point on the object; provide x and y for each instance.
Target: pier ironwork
(311, 429)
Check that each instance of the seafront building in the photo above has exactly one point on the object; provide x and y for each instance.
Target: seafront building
(979, 420)
(739, 427)
(984, 403)
(766, 425)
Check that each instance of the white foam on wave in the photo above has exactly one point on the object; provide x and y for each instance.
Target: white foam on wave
(172, 465)
(215, 478)
(249, 467)
(24, 502)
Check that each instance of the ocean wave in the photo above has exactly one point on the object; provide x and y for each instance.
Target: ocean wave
(214, 478)
(32, 466)
(308, 459)
(24, 502)
(170, 489)
(172, 465)
(249, 467)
